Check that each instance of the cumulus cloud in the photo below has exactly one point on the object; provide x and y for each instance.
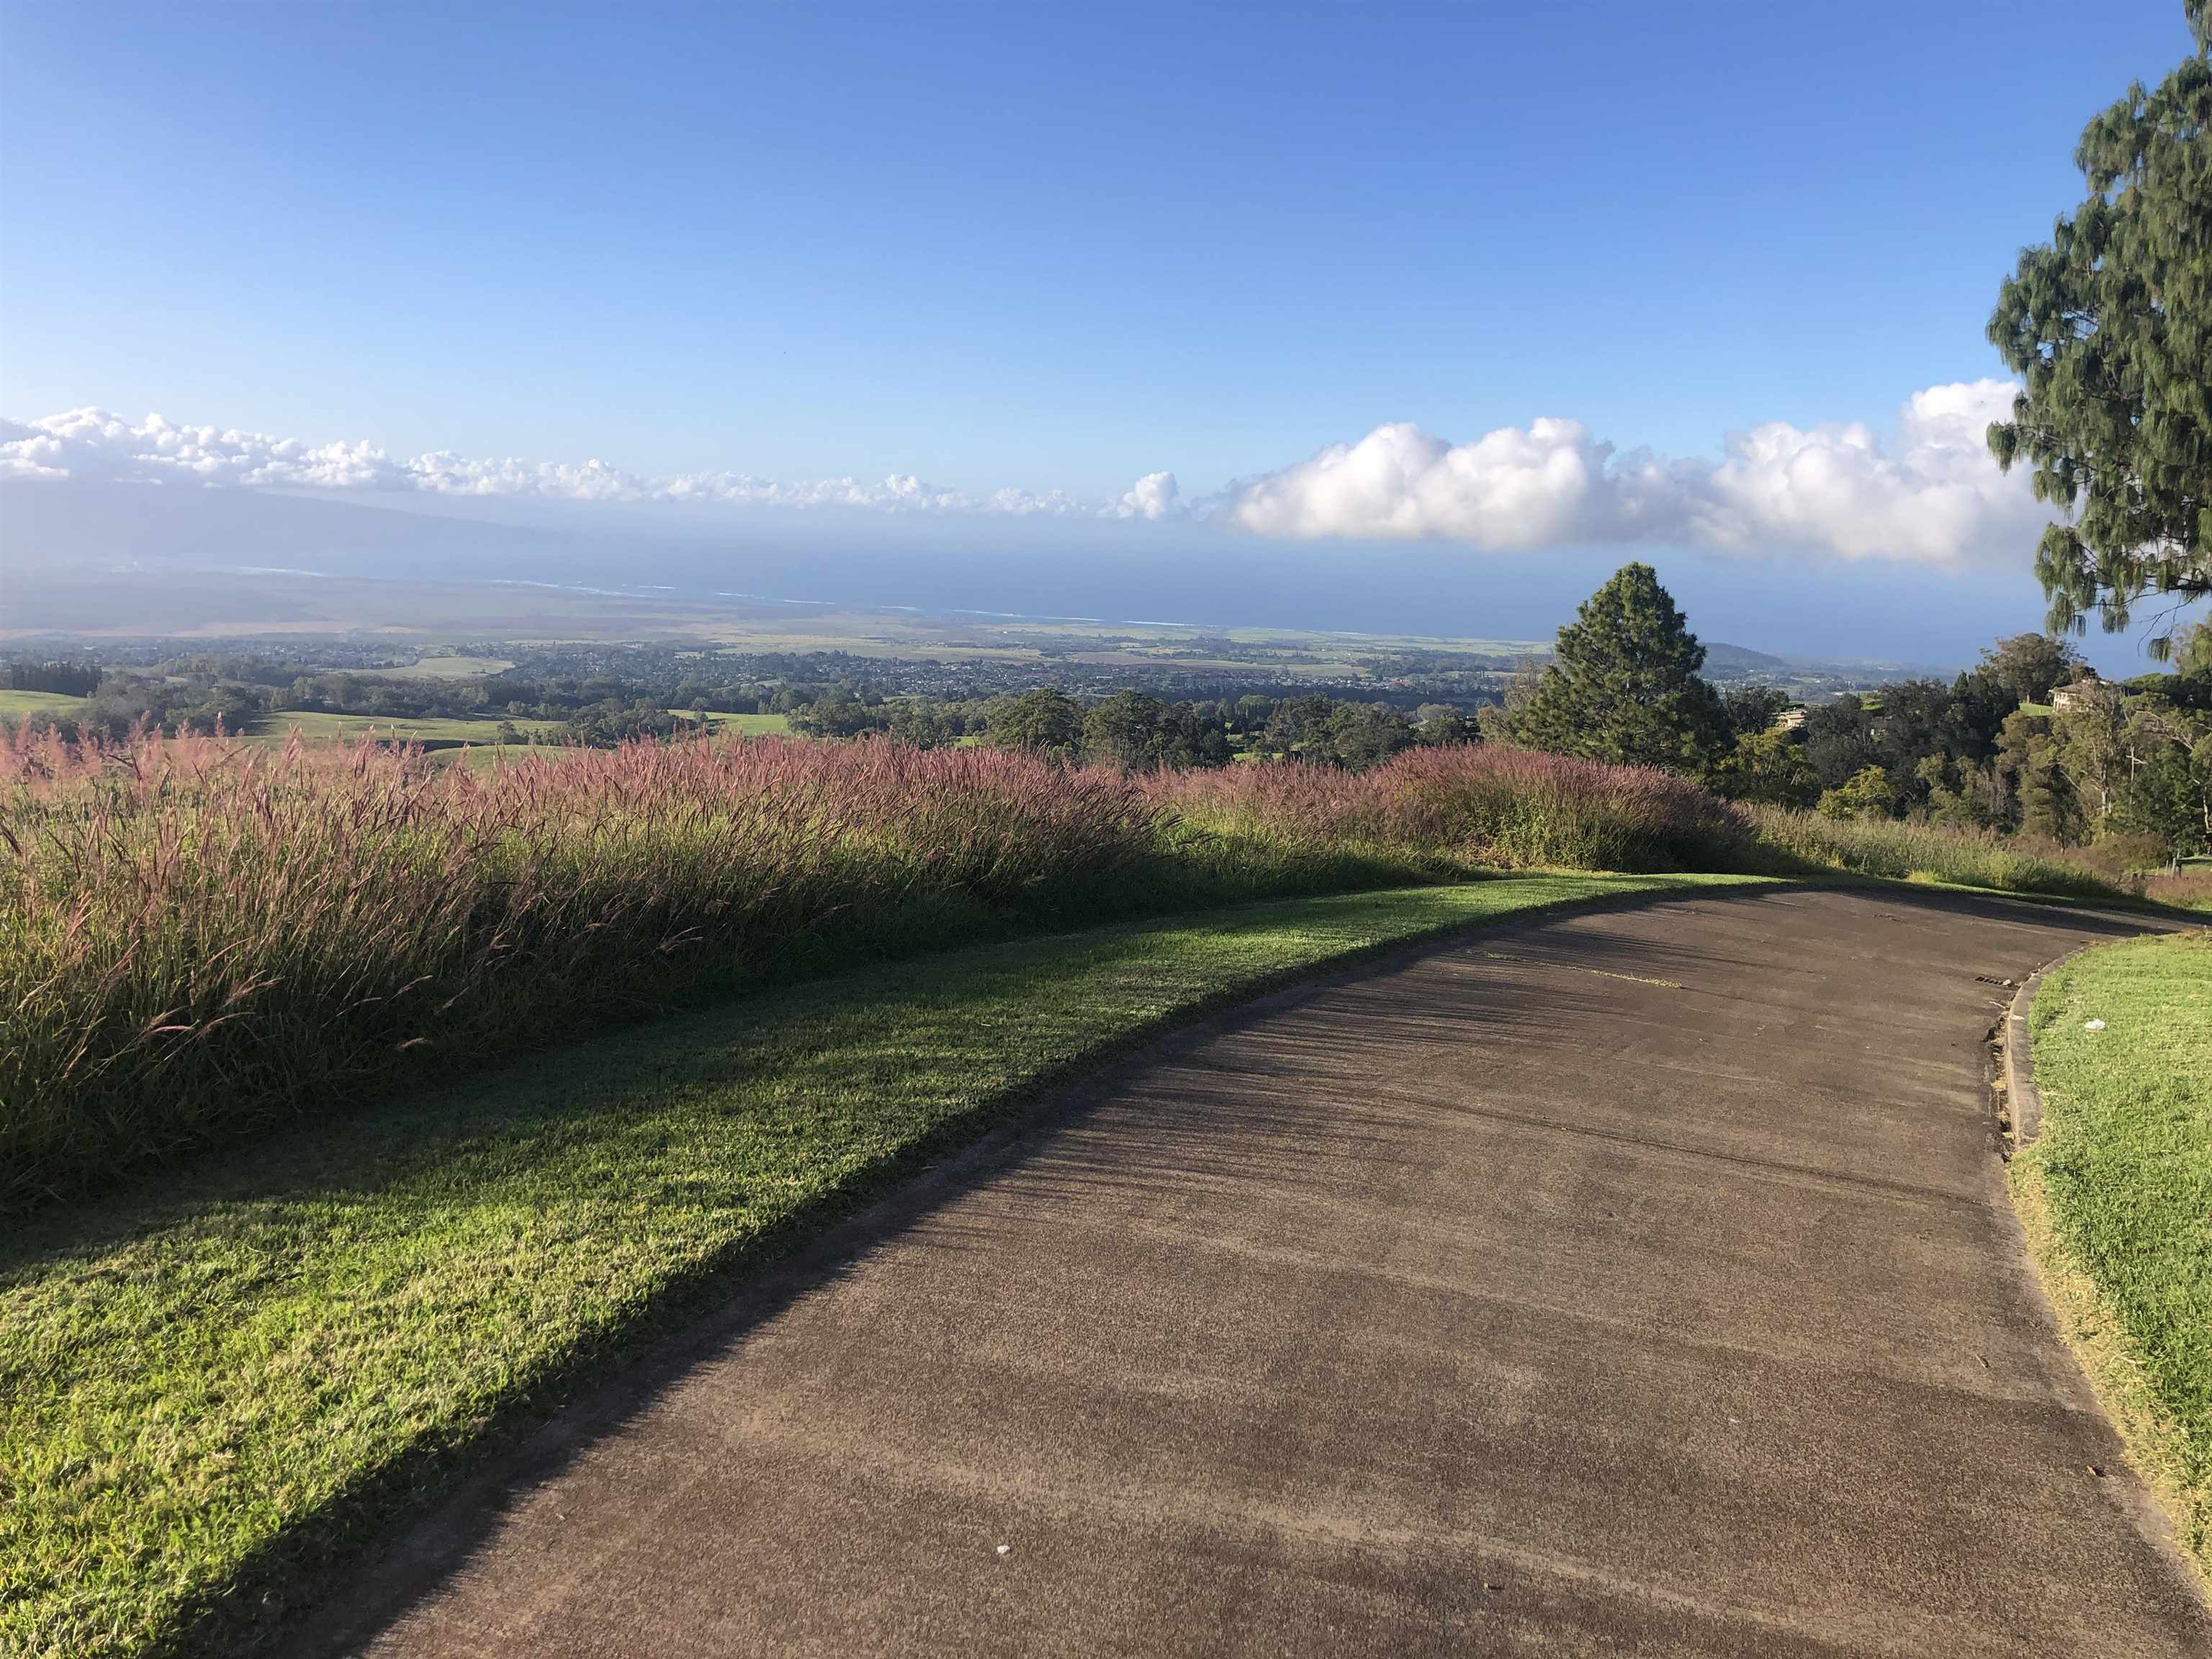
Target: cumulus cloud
(92, 443)
(1930, 494)
(1518, 487)
(1933, 496)
(1152, 496)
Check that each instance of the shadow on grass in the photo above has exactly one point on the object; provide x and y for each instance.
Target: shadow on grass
(268, 1602)
(535, 1003)
(1795, 870)
(741, 1290)
(830, 1240)
(527, 1127)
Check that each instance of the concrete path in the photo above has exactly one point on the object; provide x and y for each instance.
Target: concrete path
(1628, 1283)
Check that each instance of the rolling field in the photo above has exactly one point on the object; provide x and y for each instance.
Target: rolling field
(314, 728)
(15, 704)
(447, 668)
(747, 725)
(481, 735)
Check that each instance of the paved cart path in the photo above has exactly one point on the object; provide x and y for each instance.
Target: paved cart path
(1638, 1282)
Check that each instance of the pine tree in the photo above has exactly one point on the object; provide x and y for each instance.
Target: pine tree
(1623, 685)
(2109, 325)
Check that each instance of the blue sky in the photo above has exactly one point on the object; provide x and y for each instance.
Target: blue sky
(1047, 248)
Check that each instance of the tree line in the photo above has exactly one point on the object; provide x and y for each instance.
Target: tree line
(2029, 741)
(1138, 731)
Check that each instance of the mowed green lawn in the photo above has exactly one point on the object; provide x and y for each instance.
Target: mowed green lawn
(314, 728)
(215, 1385)
(15, 704)
(447, 668)
(748, 725)
(317, 727)
(2117, 1196)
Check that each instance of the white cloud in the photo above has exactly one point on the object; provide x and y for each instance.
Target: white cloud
(1938, 498)
(1932, 495)
(1155, 495)
(92, 443)
(1513, 488)
(1935, 496)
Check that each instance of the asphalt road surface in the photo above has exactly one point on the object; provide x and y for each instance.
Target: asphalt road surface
(1635, 1282)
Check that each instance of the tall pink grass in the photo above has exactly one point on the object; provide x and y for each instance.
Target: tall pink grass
(197, 935)
(1487, 804)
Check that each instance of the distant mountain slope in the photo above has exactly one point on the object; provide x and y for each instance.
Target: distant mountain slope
(1723, 661)
(1810, 676)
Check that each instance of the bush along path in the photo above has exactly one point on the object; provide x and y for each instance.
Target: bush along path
(2116, 1198)
(213, 1385)
(204, 938)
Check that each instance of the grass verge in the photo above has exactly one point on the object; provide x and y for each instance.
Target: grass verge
(2115, 1198)
(215, 1384)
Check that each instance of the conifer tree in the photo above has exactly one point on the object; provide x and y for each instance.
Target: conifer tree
(1623, 686)
(2109, 325)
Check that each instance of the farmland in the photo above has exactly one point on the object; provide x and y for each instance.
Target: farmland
(15, 704)
(314, 726)
(740, 725)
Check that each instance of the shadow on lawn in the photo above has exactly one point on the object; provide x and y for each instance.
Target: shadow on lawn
(727, 1299)
(289, 1596)
(411, 1143)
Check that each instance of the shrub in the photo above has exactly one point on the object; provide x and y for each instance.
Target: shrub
(2119, 856)
(1770, 767)
(202, 936)
(1869, 794)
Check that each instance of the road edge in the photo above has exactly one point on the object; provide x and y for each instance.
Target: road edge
(2023, 1101)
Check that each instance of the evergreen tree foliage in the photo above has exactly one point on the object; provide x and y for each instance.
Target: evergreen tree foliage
(1751, 709)
(1867, 793)
(2110, 326)
(1623, 683)
(1046, 722)
(2192, 652)
(2025, 667)
(1769, 767)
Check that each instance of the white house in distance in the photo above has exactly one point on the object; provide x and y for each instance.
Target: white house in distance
(2086, 692)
